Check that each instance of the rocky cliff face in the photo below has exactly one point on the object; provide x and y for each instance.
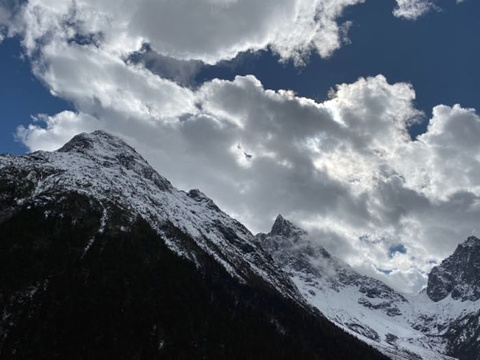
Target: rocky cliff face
(102, 258)
(457, 279)
(457, 276)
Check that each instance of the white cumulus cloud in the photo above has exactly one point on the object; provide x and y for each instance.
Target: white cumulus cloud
(345, 168)
(207, 30)
(413, 9)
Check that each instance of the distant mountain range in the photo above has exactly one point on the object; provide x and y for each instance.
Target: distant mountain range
(439, 323)
(103, 258)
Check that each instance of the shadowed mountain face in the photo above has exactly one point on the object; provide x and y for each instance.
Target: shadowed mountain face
(458, 278)
(458, 275)
(102, 258)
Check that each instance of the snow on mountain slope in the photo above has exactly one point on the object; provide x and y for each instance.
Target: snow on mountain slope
(101, 257)
(444, 319)
(401, 327)
(106, 168)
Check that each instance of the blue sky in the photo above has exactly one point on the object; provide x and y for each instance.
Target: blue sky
(194, 86)
(22, 94)
(439, 55)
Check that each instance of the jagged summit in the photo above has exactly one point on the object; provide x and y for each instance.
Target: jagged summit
(283, 227)
(472, 241)
(359, 304)
(457, 275)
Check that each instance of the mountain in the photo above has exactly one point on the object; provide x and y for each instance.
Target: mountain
(103, 258)
(457, 280)
(439, 323)
(458, 275)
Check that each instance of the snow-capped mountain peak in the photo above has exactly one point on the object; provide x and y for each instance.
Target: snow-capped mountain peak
(472, 241)
(103, 167)
(457, 275)
(285, 228)
(417, 328)
(110, 151)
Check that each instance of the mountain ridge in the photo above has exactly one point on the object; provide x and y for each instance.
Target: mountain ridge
(94, 214)
(101, 257)
(401, 327)
(461, 282)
